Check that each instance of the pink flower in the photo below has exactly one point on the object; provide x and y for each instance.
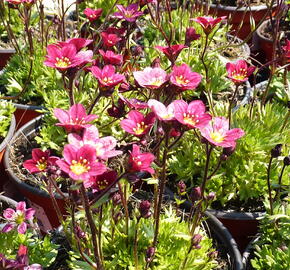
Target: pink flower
(193, 114)
(80, 163)
(40, 161)
(151, 78)
(137, 124)
(14, 2)
(104, 147)
(184, 78)
(110, 40)
(171, 52)
(75, 118)
(93, 14)
(107, 76)
(140, 162)
(218, 133)
(18, 218)
(190, 35)
(79, 43)
(162, 112)
(101, 182)
(286, 50)
(111, 58)
(130, 13)
(134, 103)
(208, 23)
(239, 71)
(63, 58)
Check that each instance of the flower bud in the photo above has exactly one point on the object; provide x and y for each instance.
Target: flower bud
(276, 151)
(195, 194)
(190, 35)
(144, 209)
(286, 160)
(150, 252)
(181, 188)
(211, 196)
(117, 217)
(137, 50)
(156, 63)
(228, 151)
(79, 232)
(116, 198)
(196, 239)
(213, 254)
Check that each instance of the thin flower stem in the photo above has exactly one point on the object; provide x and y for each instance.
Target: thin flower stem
(135, 244)
(94, 103)
(286, 120)
(280, 181)
(54, 203)
(205, 178)
(231, 105)
(269, 186)
(215, 170)
(92, 226)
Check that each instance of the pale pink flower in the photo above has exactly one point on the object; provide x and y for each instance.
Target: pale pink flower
(217, 132)
(162, 112)
(151, 78)
(192, 115)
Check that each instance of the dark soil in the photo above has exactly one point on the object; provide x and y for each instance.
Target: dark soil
(240, 3)
(1, 139)
(284, 27)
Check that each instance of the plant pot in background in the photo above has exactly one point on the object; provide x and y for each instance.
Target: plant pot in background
(38, 199)
(5, 55)
(249, 253)
(25, 113)
(3, 146)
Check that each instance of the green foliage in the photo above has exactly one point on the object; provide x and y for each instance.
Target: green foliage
(272, 251)
(41, 251)
(6, 111)
(244, 174)
(278, 88)
(174, 241)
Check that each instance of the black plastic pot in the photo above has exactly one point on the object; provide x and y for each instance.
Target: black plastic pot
(249, 253)
(7, 201)
(38, 199)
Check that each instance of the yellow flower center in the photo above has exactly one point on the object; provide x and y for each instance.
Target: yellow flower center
(103, 184)
(20, 218)
(156, 81)
(217, 137)
(137, 160)
(140, 128)
(190, 119)
(79, 167)
(62, 62)
(41, 164)
(241, 75)
(99, 149)
(181, 80)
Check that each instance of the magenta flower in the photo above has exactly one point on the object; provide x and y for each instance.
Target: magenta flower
(137, 124)
(162, 112)
(130, 13)
(184, 78)
(93, 14)
(14, 2)
(151, 78)
(110, 40)
(171, 52)
(134, 103)
(101, 182)
(110, 58)
(192, 115)
(107, 76)
(65, 57)
(140, 162)
(104, 147)
(208, 23)
(75, 118)
(286, 50)
(18, 218)
(239, 71)
(40, 161)
(217, 132)
(79, 43)
(190, 35)
(80, 163)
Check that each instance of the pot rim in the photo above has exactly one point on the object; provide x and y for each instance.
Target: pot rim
(9, 135)
(28, 107)
(27, 129)
(239, 9)
(259, 30)
(4, 51)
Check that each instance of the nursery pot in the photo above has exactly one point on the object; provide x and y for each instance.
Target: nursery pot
(25, 113)
(249, 253)
(5, 55)
(38, 199)
(3, 146)
(237, 14)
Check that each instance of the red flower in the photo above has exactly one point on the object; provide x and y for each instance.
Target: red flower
(208, 23)
(66, 56)
(79, 43)
(130, 13)
(107, 76)
(40, 161)
(190, 35)
(93, 14)
(218, 133)
(239, 71)
(80, 163)
(171, 52)
(110, 58)
(101, 182)
(286, 50)
(184, 78)
(137, 124)
(140, 162)
(193, 114)
(75, 118)
(110, 40)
